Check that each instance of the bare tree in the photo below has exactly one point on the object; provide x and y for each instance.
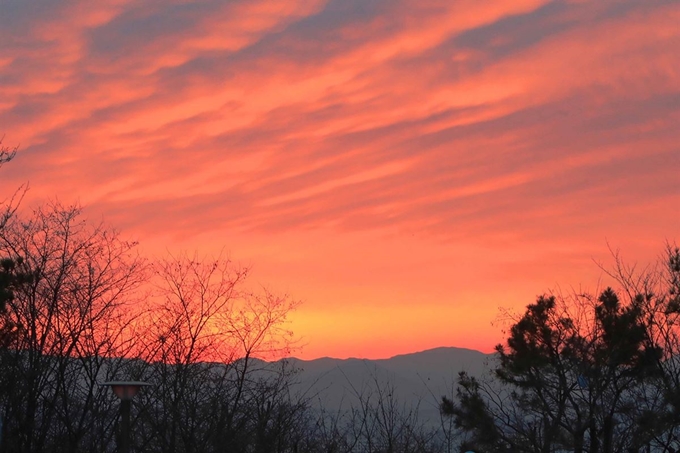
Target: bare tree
(90, 310)
(375, 416)
(10, 206)
(69, 315)
(659, 287)
(206, 333)
(6, 153)
(392, 425)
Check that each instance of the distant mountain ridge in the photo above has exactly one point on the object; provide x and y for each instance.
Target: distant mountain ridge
(416, 380)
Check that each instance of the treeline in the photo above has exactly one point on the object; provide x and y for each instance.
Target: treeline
(580, 373)
(81, 307)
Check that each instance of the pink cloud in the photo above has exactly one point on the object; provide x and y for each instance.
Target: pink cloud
(426, 126)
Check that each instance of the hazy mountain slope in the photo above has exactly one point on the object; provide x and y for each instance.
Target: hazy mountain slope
(413, 380)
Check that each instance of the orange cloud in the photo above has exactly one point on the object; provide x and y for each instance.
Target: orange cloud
(417, 162)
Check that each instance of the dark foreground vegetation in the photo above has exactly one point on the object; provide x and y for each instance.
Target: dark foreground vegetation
(583, 373)
(79, 307)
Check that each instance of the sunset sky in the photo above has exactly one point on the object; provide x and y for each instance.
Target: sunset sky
(402, 167)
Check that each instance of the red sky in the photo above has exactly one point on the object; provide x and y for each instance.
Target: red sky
(403, 167)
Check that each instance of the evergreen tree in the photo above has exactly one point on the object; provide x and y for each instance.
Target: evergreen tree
(581, 374)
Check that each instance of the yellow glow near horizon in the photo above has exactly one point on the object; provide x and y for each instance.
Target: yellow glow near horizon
(402, 168)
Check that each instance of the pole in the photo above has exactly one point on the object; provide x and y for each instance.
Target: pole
(125, 426)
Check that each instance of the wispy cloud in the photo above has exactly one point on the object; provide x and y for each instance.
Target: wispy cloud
(504, 125)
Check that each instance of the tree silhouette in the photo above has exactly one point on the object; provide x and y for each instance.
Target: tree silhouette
(70, 283)
(581, 374)
(6, 153)
(10, 276)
